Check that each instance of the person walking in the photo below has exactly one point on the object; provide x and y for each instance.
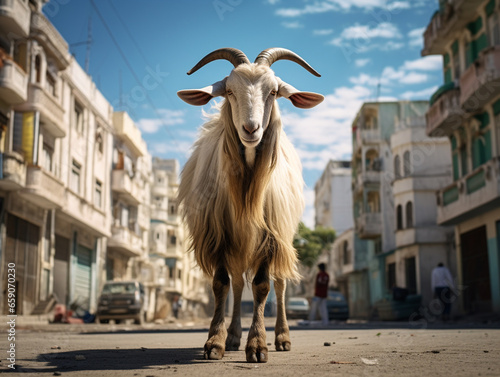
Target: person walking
(320, 295)
(442, 286)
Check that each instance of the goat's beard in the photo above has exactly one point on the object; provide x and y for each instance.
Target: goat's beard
(247, 184)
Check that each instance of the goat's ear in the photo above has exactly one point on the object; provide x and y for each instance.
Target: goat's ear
(304, 100)
(200, 97)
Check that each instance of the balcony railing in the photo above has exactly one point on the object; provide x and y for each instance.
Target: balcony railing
(43, 189)
(480, 83)
(454, 16)
(128, 187)
(51, 112)
(445, 113)
(470, 194)
(43, 30)
(13, 171)
(15, 16)
(369, 225)
(128, 131)
(13, 83)
(125, 241)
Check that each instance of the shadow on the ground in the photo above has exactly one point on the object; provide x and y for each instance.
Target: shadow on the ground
(154, 359)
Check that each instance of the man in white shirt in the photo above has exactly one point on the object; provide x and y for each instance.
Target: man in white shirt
(442, 286)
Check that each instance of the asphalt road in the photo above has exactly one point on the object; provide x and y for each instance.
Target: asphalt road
(352, 350)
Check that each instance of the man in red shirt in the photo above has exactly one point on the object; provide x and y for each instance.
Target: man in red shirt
(320, 295)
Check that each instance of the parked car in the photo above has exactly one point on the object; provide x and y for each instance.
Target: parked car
(337, 306)
(297, 307)
(121, 300)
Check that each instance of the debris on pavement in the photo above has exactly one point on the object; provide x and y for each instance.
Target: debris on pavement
(369, 362)
(80, 357)
(326, 344)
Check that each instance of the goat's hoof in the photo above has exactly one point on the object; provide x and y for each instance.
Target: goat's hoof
(232, 342)
(283, 346)
(256, 355)
(213, 351)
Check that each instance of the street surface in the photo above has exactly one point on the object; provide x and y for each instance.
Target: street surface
(366, 349)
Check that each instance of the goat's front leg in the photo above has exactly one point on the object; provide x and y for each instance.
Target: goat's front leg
(256, 349)
(214, 347)
(234, 331)
(282, 340)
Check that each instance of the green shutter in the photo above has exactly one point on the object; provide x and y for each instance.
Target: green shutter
(469, 55)
(487, 146)
(463, 161)
(480, 44)
(454, 48)
(484, 119)
(496, 107)
(453, 143)
(475, 26)
(447, 76)
(446, 60)
(490, 7)
(456, 172)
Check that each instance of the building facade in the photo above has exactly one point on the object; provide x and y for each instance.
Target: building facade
(333, 197)
(466, 110)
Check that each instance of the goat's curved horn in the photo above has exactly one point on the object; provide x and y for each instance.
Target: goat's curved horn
(271, 55)
(235, 56)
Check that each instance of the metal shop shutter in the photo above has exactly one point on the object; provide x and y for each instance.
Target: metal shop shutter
(83, 276)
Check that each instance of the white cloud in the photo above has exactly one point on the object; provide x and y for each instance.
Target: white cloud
(272, 2)
(416, 37)
(323, 32)
(421, 94)
(414, 78)
(292, 25)
(337, 5)
(428, 63)
(397, 5)
(362, 62)
(382, 30)
(169, 118)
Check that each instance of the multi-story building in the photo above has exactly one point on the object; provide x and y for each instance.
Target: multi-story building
(421, 166)
(333, 197)
(466, 109)
(56, 154)
(395, 172)
(177, 275)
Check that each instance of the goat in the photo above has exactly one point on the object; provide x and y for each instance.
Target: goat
(241, 195)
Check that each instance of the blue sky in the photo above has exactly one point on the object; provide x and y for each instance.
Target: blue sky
(355, 45)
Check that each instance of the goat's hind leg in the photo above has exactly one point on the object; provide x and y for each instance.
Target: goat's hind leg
(282, 332)
(234, 331)
(215, 345)
(256, 349)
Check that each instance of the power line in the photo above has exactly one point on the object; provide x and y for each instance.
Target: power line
(129, 66)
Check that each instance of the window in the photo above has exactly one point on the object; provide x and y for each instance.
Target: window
(456, 60)
(373, 202)
(481, 140)
(48, 153)
(75, 177)
(38, 69)
(409, 215)
(78, 117)
(345, 252)
(50, 84)
(399, 217)
(397, 167)
(406, 164)
(99, 142)
(172, 209)
(98, 194)
(391, 275)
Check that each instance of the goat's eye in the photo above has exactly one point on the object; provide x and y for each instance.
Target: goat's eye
(273, 92)
(229, 92)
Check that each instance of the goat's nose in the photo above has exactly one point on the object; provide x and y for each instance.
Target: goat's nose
(250, 128)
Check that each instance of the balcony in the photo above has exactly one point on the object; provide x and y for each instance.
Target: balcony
(174, 251)
(51, 112)
(370, 136)
(420, 235)
(13, 175)
(369, 225)
(444, 114)
(78, 210)
(143, 218)
(43, 189)
(471, 195)
(159, 214)
(13, 83)
(446, 23)
(129, 133)
(126, 186)
(160, 190)
(480, 83)
(125, 241)
(45, 33)
(15, 17)
(173, 285)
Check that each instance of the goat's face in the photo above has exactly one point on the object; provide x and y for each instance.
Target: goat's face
(251, 90)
